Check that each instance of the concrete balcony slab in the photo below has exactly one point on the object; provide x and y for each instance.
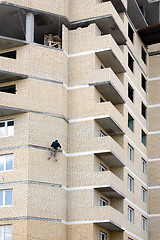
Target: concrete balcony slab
(110, 192)
(110, 125)
(106, 24)
(134, 10)
(110, 226)
(6, 76)
(6, 43)
(119, 5)
(110, 59)
(110, 158)
(6, 111)
(110, 92)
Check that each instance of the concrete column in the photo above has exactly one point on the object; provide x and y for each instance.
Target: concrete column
(29, 27)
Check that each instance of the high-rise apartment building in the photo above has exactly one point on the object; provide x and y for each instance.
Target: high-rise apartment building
(88, 74)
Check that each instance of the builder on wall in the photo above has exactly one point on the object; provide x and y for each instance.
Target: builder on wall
(55, 147)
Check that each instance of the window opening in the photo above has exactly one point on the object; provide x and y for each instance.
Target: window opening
(9, 89)
(6, 162)
(143, 110)
(144, 166)
(130, 214)
(103, 236)
(5, 232)
(144, 193)
(103, 202)
(144, 55)
(130, 183)
(130, 32)
(6, 197)
(144, 223)
(130, 62)
(130, 153)
(130, 92)
(144, 138)
(6, 128)
(143, 82)
(102, 134)
(11, 54)
(101, 100)
(130, 122)
(102, 168)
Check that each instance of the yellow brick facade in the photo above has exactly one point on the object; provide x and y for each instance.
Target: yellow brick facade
(96, 95)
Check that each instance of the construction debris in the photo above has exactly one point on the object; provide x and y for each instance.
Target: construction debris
(52, 41)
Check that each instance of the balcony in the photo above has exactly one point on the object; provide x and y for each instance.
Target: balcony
(110, 92)
(6, 111)
(112, 58)
(109, 118)
(51, 6)
(6, 76)
(106, 217)
(106, 182)
(120, 5)
(104, 15)
(105, 148)
(6, 43)
(133, 10)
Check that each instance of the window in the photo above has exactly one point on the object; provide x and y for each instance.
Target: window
(103, 236)
(144, 166)
(102, 134)
(11, 54)
(102, 168)
(103, 202)
(144, 138)
(101, 100)
(8, 89)
(130, 32)
(144, 55)
(130, 183)
(144, 223)
(6, 162)
(130, 92)
(130, 214)
(130, 122)
(130, 62)
(5, 232)
(6, 128)
(144, 110)
(5, 197)
(130, 153)
(144, 193)
(143, 82)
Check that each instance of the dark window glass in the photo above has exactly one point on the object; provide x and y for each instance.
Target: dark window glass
(2, 124)
(11, 54)
(10, 123)
(130, 92)
(144, 110)
(144, 138)
(8, 89)
(144, 55)
(130, 122)
(143, 82)
(130, 33)
(130, 62)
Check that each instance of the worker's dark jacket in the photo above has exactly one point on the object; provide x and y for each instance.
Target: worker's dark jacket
(55, 145)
